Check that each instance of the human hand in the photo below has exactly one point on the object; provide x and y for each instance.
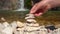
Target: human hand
(43, 6)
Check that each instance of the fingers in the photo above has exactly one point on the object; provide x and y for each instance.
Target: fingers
(38, 14)
(37, 6)
(34, 8)
(40, 8)
(42, 11)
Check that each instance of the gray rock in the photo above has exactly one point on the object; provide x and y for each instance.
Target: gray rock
(5, 24)
(8, 30)
(13, 24)
(21, 30)
(2, 32)
(1, 27)
(58, 31)
(16, 31)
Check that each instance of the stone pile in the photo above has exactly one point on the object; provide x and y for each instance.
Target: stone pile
(30, 27)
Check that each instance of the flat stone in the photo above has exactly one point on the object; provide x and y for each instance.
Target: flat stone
(31, 27)
(31, 30)
(29, 16)
(31, 20)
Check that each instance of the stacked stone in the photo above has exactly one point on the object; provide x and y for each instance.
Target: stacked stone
(32, 27)
(30, 18)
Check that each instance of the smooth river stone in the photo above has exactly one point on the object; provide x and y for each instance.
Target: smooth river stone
(8, 30)
(5, 24)
(20, 24)
(13, 24)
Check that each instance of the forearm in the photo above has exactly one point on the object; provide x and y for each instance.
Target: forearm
(59, 2)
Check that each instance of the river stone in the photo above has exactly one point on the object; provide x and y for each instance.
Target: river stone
(21, 30)
(29, 16)
(43, 31)
(31, 29)
(16, 31)
(2, 32)
(8, 30)
(1, 26)
(5, 24)
(31, 20)
(20, 24)
(58, 31)
(14, 24)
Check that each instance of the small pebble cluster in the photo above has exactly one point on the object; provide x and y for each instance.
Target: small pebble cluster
(30, 27)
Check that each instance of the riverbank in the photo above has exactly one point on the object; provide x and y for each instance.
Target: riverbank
(50, 17)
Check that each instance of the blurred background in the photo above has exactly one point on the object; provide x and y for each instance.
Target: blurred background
(7, 7)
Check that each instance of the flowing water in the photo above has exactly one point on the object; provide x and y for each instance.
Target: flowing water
(21, 6)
